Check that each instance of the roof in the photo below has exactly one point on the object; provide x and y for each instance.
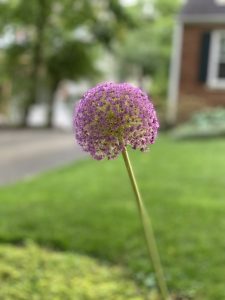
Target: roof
(203, 10)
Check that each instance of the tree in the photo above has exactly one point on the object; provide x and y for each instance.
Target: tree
(148, 47)
(50, 48)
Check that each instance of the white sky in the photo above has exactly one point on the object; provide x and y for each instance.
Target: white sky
(128, 2)
(220, 2)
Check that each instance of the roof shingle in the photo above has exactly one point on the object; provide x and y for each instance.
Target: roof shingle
(202, 8)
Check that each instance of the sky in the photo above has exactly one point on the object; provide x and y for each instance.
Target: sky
(128, 2)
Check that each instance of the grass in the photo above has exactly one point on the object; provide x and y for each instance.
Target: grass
(89, 208)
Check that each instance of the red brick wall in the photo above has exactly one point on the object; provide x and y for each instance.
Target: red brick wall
(193, 94)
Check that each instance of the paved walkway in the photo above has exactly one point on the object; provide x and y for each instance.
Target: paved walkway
(24, 153)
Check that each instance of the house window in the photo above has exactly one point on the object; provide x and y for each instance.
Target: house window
(216, 71)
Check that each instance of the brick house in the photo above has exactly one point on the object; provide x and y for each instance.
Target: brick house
(197, 74)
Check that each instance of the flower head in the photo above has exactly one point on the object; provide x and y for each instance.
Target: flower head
(111, 116)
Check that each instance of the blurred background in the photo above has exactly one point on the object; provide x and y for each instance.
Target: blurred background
(72, 231)
(51, 52)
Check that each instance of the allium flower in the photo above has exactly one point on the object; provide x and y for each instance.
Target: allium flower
(111, 116)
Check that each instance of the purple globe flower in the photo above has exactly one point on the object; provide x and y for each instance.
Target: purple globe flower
(111, 116)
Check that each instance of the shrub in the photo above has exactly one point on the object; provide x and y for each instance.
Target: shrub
(33, 273)
(210, 123)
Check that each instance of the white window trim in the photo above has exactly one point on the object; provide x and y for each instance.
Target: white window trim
(213, 81)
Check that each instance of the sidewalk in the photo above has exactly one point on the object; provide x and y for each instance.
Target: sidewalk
(24, 153)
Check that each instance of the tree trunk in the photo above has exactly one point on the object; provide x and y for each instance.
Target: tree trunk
(51, 104)
(140, 77)
(37, 59)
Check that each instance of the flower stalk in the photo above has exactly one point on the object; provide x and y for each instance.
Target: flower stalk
(148, 231)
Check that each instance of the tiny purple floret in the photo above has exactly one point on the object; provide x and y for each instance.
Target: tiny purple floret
(111, 116)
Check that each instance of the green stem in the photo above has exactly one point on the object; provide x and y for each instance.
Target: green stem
(148, 231)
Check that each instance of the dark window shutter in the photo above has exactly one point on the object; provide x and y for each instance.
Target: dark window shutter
(204, 56)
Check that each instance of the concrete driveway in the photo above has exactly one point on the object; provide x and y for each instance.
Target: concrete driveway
(24, 153)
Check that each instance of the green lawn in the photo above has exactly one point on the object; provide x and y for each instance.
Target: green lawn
(88, 208)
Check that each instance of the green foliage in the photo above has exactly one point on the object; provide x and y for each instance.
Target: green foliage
(71, 61)
(54, 51)
(210, 123)
(148, 47)
(89, 208)
(167, 8)
(16, 61)
(34, 273)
